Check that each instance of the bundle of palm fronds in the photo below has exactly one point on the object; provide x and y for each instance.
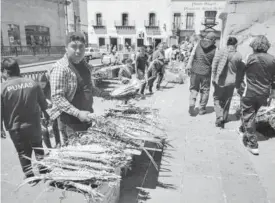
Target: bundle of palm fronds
(127, 90)
(266, 114)
(82, 168)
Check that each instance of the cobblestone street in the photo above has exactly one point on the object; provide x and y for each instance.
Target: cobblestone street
(203, 163)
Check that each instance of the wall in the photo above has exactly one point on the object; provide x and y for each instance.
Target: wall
(83, 15)
(33, 12)
(198, 8)
(138, 11)
(247, 19)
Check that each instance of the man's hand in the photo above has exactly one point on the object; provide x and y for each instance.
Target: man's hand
(83, 116)
(3, 134)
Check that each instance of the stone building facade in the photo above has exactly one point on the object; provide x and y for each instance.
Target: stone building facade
(26, 22)
(147, 22)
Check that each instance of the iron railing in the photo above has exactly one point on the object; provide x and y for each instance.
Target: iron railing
(31, 50)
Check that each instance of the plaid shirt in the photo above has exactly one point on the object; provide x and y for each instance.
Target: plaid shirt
(63, 82)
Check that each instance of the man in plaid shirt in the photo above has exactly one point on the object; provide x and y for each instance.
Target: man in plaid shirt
(72, 89)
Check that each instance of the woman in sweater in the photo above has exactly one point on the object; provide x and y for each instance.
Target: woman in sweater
(227, 62)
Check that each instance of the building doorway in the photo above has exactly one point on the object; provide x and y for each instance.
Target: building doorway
(101, 41)
(156, 42)
(113, 43)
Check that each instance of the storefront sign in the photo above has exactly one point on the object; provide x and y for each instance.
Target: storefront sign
(204, 6)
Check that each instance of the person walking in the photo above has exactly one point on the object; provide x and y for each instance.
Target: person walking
(159, 54)
(199, 65)
(227, 62)
(257, 85)
(72, 89)
(21, 101)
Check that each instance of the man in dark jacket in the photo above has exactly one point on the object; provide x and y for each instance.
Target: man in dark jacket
(258, 85)
(21, 101)
(200, 67)
(141, 67)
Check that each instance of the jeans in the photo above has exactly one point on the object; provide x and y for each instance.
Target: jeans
(25, 141)
(199, 83)
(222, 99)
(249, 109)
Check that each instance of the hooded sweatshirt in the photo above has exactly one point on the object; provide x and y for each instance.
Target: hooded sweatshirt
(204, 55)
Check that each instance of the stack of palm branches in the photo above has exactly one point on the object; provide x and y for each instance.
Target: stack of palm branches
(128, 90)
(92, 157)
(82, 168)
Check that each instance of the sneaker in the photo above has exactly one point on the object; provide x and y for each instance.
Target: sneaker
(191, 110)
(254, 151)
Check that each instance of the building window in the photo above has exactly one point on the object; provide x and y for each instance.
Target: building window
(99, 19)
(210, 17)
(177, 20)
(14, 35)
(190, 21)
(152, 19)
(125, 19)
(37, 35)
(101, 41)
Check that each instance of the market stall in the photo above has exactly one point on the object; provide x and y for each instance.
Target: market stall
(93, 161)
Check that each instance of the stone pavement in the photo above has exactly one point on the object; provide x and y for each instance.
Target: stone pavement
(203, 163)
(206, 164)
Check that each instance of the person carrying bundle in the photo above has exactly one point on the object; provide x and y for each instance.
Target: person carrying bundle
(257, 85)
(126, 72)
(72, 88)
(153, 71)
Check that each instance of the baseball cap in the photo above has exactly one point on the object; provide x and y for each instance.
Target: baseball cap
(211, 36)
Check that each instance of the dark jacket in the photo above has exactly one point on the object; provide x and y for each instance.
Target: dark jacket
(258, 77)
(21, 101)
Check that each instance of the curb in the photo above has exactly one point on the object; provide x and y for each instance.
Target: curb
(37, 64)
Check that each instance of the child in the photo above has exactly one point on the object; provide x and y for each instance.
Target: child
(45, 85)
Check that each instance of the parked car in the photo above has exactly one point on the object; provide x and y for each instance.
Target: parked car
(91, 53)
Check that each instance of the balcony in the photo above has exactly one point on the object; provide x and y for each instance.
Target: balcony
(126, 25)
(151, 25)
(98, 25)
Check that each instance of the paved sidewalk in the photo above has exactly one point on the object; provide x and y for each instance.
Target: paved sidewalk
(206, 164)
